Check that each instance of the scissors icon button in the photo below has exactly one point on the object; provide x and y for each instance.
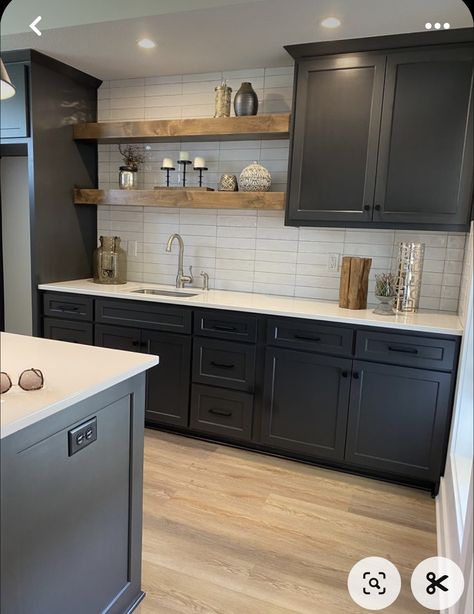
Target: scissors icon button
(435, 583)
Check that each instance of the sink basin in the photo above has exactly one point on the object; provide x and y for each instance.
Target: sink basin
(164, 292)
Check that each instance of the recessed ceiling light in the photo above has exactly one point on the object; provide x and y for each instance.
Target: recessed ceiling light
(437, 25)
(428, 25)
(331, 22)
(446, 25)
(146, 43)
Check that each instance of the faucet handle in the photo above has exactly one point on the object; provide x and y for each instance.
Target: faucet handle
(205, 280)
(191, 278)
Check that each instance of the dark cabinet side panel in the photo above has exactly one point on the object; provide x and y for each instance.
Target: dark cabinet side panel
(335, 138)
(424, 173)
(306, 400)
(398, 420)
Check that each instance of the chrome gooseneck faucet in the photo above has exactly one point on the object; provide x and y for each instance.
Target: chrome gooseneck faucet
(181, 279)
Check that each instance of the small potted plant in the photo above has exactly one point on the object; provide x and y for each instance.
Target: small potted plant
(132, 155)
(385, 290)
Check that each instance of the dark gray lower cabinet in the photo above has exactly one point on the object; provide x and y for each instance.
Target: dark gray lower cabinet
(167, 397)
(375, 401)
(398, 420)
(306, 399)
(167, 387)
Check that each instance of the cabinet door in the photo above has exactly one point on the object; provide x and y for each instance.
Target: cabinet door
(335, 139)
(306, 398)
(68, 330)
(424, 173)
(14, 111)
(117, 338)
(399, 420)
(167, 397)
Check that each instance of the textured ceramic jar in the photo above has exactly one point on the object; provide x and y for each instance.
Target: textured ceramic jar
(246, 100)
(228, 183)
(255, 178)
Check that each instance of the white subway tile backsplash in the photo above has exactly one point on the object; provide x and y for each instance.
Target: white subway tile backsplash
(246, 250)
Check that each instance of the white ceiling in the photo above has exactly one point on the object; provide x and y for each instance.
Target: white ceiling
(215, 35)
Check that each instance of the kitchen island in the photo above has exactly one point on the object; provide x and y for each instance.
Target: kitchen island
(71, 478)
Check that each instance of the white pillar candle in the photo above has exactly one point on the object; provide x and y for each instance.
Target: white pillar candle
(183, 156)
(167, 163)
(199, 162)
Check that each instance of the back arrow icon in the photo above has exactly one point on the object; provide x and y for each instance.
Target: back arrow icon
(34, 28)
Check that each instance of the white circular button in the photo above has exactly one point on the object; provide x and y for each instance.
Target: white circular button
(437, 583)
(374, 583)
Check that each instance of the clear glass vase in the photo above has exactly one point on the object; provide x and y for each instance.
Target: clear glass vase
(385, 308)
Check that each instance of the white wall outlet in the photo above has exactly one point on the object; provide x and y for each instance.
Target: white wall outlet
(333, 262)
(132, 248)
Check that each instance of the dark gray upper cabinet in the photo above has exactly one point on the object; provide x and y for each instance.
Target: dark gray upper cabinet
(424, 173)
(383, 137)
(14, 111)
(334, 147)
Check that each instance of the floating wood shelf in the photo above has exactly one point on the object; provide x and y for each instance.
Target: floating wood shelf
(202, 129)
(181, 199)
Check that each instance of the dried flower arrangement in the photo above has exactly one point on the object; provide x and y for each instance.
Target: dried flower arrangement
(385, 284)
(132, 155)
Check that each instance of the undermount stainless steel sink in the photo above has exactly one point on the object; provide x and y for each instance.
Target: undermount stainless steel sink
(164, 292)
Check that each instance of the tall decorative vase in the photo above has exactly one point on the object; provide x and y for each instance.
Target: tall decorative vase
(222, 100)
(410, 268)
(246, 100)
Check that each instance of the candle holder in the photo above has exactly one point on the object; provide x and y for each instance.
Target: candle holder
(200, 169)
(184, 163)
(167, 169)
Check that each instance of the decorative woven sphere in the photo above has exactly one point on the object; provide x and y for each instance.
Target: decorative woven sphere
(255, 178)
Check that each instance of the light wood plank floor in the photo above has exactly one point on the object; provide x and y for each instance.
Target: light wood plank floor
(234, 532)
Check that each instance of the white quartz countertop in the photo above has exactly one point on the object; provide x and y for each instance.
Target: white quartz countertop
(71, 372)
(429, 322)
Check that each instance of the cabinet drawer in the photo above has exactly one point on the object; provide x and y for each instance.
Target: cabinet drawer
(225, 325)
(66, 330)
(406, 350)
(143, 315)
(221, 412)
(224, 363)
(313, 336)
(72, 307)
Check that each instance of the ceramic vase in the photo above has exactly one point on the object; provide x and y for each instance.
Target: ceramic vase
(255, 178)
(246, 100)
